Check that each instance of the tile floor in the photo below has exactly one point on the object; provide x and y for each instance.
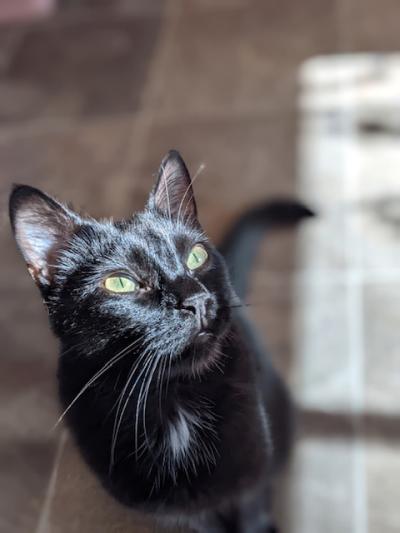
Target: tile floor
(346, 359)
(89, 101)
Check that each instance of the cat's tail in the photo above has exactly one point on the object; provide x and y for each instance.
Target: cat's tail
(241, 243)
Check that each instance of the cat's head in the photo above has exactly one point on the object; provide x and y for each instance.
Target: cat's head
(154, 279)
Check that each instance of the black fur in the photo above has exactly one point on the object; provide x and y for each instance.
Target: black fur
(185, 426)
(242, 242)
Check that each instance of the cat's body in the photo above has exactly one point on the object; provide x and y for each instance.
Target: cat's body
(195, 446)
(167, 390)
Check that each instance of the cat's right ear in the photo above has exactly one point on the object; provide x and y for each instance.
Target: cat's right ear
(41, 226)
(173, 193)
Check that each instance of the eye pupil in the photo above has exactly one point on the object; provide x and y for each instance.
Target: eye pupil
(197, 257)
(120, 284)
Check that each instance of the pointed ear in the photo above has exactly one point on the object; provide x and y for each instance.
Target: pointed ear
(173, 193)
(41, 226)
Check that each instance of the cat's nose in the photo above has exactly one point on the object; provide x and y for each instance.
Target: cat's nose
(200, 305)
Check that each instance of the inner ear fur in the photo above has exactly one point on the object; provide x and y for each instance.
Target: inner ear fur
(41, 226)
(173, 194)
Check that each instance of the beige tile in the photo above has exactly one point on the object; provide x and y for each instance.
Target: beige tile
(25, 467)
(271, 309)
(370, 25)
(270, 296)
(323, 375)
(279, 252)
(319, 144)
(321, 488)
(323, 243)
(29, 406)
(83, 66)
(376, 218)
(79, 161)
(24, 328)
(28, 410)
(374, 232)
(381, 340)
(383, 475)
(226, 61)
(78, 502)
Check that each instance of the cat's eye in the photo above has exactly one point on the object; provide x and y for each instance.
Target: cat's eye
(197, 257)
(120, 284)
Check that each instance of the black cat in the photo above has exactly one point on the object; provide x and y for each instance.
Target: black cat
(167, 390)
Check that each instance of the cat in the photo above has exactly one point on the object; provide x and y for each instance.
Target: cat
(166, 388)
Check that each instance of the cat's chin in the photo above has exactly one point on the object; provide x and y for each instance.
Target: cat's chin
(202, 356)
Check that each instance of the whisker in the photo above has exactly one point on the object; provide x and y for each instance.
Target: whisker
(134, 366)
(157, 360)
(192, 180)
(126, 386)
(73, 347)
(235, 306)
(165, 178)
(106, 367)
(187, 205)
(160, 382)
(169, 374)
(136, 433)
(117, 425)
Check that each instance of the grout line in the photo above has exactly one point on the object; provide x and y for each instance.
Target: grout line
(27, 126)
(142, 118)
(355, 283)
(145, 117)
(353, 277)
(356, 350)
(43, 523)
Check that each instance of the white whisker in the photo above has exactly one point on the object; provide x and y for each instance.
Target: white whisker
(165, 177)
(199, 171)
(104, 369)
(117, 425)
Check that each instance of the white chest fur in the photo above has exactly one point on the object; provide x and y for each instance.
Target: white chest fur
(180, 432)
(190, 440)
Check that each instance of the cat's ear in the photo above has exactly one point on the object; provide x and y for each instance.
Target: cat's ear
(173, 193)
(41, 226)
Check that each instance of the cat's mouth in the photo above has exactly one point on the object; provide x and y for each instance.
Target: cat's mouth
(202, 354)
(202, 345)
(198, 360)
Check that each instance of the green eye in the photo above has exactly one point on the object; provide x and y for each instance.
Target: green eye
(120, 284)
(197, 257)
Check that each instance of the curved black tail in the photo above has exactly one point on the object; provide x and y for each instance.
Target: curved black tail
(240, 245)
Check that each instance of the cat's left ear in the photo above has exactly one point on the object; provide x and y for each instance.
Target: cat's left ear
(41, 226)
(173, 194)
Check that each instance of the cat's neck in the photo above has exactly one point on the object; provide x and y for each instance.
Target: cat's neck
(179, 427)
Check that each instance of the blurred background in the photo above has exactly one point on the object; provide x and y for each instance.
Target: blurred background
(290, 97)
